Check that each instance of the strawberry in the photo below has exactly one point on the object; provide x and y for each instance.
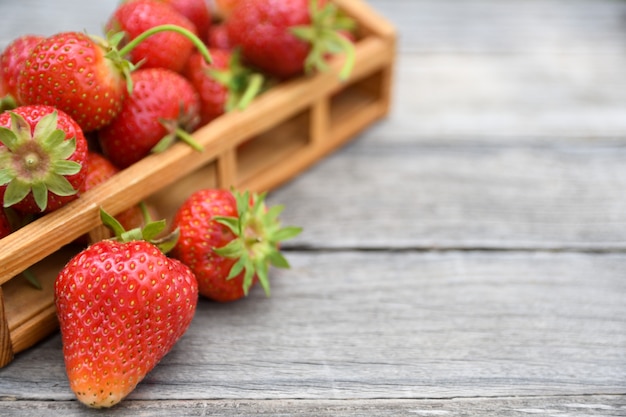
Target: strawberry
(42, 154)
(11, 62)
(223, 85)
(70, 71)
(168, 49)
(162, 106)
(285, 38)
(122, 305)
(229, 240)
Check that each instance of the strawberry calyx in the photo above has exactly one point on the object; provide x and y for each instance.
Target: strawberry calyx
(258, 234)
(36, 161)
(179, 129)
(151, 232)
(242, 83)
(325, 36)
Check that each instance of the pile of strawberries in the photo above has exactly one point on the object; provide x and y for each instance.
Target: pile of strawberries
(77, 108)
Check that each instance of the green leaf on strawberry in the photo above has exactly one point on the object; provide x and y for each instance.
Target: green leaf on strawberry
(325, 36)
(257, 236)
(36, 162)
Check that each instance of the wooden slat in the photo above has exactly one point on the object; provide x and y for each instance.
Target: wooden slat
(391, 325)
(570, 406)
(448, 195)
(6, 348)
(479, 27)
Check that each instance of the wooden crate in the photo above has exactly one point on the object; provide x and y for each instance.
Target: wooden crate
(279, 135)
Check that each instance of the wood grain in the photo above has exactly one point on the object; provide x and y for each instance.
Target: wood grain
(443, 195)
(391, 325)
(566, 406)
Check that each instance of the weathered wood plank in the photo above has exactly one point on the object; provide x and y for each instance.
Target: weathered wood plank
(566, 406)
(438, 195)
(499, 98)
(507, 26)
(391, 325)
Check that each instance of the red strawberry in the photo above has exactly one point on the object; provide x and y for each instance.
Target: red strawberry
(197, 11)
(229, 240)
(168, 49)
(163, 105)
(285, 38)
(11, 62)
(223, 85)
(70, 71)
(42, 152)
(122, 306)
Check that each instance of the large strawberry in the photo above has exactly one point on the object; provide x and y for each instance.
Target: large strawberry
(11, 62)
(122, 305)
(224, 84)
(166, 50)
(285, 38)
(229, 240)
(163, 105)
(42, 153)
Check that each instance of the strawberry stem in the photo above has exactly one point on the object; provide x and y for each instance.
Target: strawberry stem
(167, 28)
(254, 87)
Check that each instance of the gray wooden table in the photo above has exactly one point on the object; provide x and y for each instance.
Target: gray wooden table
(466, 256)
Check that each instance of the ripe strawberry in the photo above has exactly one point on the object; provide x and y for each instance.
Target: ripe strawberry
(168, 49)
(285, 38)
(223, 85)
(122, 306)
(71, 72)
(162, 106)
(42, 152)
(12, 60)
(229, 240)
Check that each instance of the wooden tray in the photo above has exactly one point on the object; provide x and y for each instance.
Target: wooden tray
(279, 135)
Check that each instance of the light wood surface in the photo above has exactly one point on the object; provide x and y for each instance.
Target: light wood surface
(465, 256)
